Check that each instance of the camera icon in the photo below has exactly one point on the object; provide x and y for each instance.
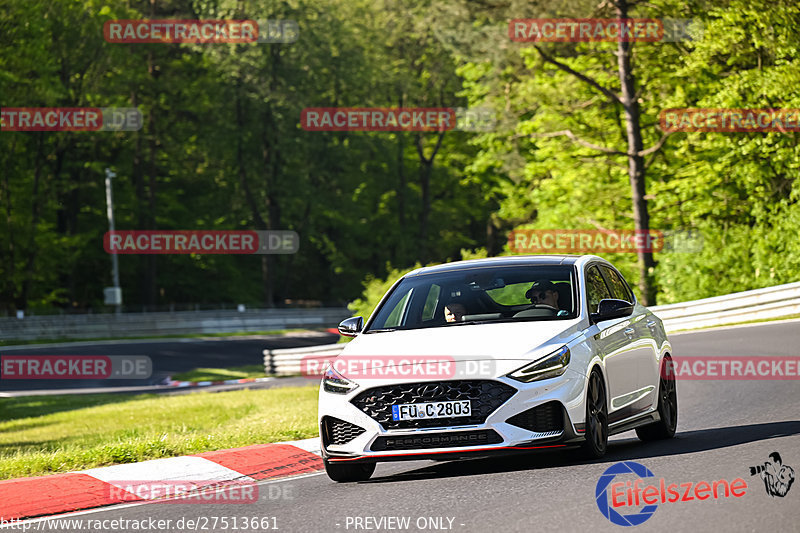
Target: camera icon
(777, 477)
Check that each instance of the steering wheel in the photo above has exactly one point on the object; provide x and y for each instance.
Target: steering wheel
(543, 306)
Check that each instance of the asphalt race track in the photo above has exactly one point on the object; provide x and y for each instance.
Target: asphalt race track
(724, 427)
(169, 357)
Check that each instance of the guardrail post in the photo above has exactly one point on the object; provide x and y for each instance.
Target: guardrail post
(269, 363)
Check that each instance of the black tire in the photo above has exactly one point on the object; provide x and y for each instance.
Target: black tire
(348, 472)
(667, 408)
(596, 417)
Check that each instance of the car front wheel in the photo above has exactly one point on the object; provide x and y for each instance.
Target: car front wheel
(347, 472)
(596, 417)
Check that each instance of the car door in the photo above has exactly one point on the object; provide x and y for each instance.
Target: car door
(612, 341)
(641, 346)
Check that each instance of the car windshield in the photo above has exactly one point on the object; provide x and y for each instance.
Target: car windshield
(479, 295)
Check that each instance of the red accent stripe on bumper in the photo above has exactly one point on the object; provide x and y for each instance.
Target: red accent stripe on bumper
(332, 459)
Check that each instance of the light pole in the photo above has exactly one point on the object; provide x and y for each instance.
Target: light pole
(112, 295)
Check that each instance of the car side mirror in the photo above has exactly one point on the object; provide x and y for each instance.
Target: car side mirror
(350, 327)
(610, 308)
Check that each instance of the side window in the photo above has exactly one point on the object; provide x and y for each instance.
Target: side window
(596, 288)
(619, 290)
(430, 302)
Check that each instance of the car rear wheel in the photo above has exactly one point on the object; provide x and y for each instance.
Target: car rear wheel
(667, 407)
(348, 472)
(596, 418)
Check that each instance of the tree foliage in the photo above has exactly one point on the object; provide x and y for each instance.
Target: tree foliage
(221, 147)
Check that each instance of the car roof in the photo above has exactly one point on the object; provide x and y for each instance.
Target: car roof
(509, 260)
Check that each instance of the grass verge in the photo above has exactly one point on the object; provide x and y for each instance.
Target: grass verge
(48, 434)
(221, 374)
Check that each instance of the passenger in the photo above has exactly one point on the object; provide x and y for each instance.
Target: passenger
(454, 312)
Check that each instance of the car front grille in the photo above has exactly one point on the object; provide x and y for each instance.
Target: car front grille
(422, 441)
(340, 432)
(543, 418)
(484, 395)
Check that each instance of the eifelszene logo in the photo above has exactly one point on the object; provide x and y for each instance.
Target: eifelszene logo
(601, 494)
(778, 477)
(634, 494)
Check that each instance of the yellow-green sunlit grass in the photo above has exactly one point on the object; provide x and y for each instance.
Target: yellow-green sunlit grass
(46, 434)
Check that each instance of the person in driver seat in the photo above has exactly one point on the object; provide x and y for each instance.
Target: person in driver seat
(544, 292)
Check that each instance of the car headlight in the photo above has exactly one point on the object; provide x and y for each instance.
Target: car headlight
(550, 366)
(334, 382)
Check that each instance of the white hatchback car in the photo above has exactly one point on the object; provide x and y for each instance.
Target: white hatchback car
(498, 355)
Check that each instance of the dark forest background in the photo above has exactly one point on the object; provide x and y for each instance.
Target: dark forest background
(222, 148)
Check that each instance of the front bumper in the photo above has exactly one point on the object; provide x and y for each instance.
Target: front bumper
(535, 416)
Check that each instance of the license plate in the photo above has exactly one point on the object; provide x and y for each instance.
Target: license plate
(418, 411)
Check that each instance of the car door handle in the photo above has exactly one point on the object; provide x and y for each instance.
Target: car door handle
(629, 332)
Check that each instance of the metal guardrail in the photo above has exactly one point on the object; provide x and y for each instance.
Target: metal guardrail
(771, 302)
(156, 324)
(307, 361)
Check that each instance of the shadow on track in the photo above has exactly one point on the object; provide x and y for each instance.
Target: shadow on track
(628, 449)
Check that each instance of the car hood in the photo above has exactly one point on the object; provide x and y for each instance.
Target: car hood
(502, 347)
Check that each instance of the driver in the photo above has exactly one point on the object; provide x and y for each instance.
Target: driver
(543, 292)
